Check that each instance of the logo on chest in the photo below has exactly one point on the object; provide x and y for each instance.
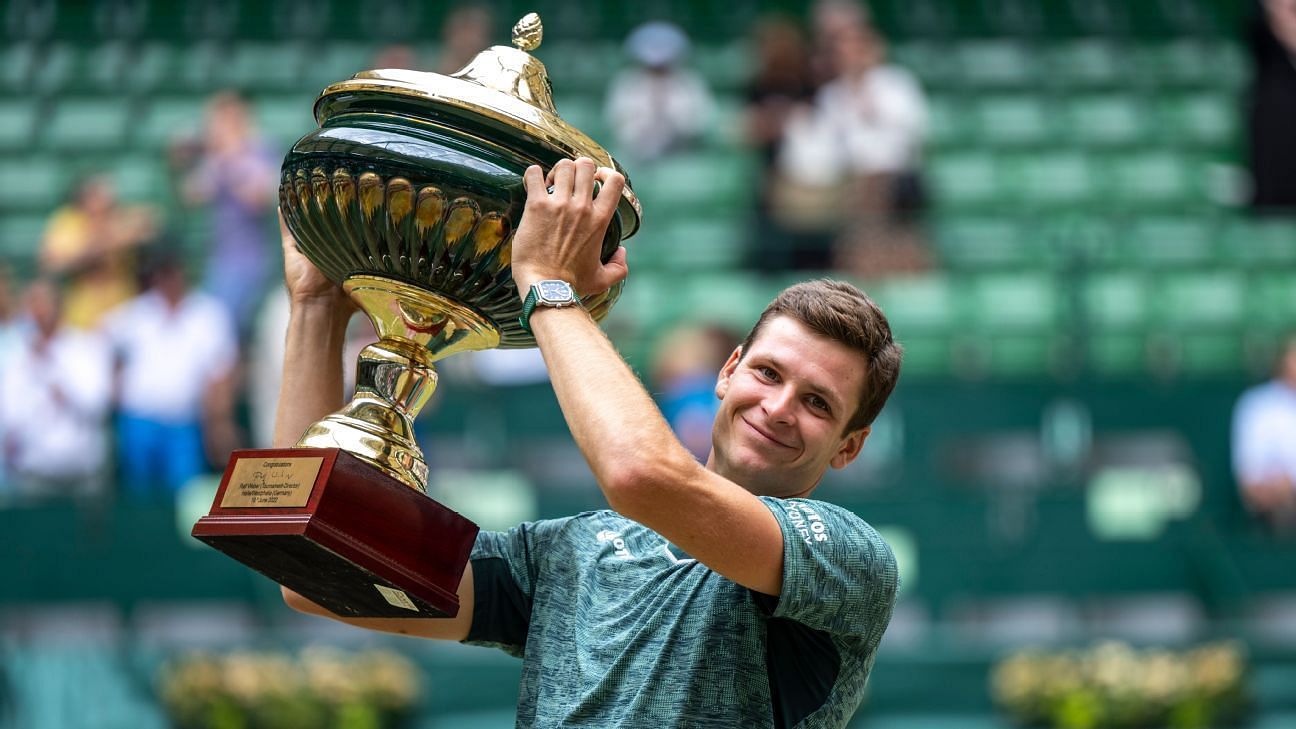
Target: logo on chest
(607, 536)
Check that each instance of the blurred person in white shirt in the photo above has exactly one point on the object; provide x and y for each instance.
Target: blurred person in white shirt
(1264, 444)
(178, 358)
(55, 391)
(658, 107)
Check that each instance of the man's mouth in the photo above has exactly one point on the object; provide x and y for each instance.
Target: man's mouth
(764, 435)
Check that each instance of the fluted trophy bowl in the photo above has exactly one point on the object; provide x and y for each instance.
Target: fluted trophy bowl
(407, 195)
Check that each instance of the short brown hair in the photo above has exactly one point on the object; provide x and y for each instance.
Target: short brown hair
(844, 314)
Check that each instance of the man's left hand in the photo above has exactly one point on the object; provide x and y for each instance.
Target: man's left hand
(563, 225)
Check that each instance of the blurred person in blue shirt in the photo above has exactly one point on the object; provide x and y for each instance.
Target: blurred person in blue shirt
(1264, 444)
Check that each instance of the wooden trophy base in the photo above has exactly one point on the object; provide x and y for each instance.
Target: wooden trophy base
(340, 532)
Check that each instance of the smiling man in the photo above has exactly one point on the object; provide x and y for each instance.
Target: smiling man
(706, 596)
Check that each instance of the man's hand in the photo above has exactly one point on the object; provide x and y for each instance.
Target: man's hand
(306, 285)
(562, 228)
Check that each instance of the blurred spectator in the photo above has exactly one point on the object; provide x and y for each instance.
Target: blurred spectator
(235, 174)
(684, 372)
(783, 84)
(830, 18)
(658, 107)
(1264, 444)
(466, 32)
(848, 185)
(177, 369)
(397, 55)
(55, 389)
(90, 241)
(1271, 107)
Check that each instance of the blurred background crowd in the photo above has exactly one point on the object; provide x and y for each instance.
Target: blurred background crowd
(1079, 216)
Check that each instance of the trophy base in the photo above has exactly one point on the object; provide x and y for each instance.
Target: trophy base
(340, 532)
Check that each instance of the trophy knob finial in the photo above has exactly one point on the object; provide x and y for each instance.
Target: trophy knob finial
(528, 32)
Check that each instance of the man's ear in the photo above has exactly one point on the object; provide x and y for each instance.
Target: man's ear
(850, 447)
(730, 366)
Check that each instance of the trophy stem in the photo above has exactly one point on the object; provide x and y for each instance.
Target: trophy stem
(393, 382)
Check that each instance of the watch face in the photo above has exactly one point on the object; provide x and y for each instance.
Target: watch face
(555, 292)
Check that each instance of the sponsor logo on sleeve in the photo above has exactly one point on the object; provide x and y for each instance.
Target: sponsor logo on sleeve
(607, 536)
(807, 522)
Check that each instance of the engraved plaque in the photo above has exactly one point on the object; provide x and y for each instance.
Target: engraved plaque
(271, 482)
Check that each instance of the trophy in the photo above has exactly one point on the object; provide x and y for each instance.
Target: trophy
(407, 196)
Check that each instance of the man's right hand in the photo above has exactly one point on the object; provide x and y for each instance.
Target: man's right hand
(306, 284)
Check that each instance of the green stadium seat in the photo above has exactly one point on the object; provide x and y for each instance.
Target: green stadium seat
(1116, 302)
(149, 67)
(55, 67)
(84, 124)
(1262, 244)
(985, 242)
(1196, 301)
(962, 180)
(1106, 120)
(168, 118)
(255, 66)
(996, 63)
(1015, 302)
(699, 244)
(585, 112)
(930, 61)
(1088, 63)
(707, 182)
(1053, 180)
(335, 61)
(726, 67)
(948, 123)
(285, 119)
(33, 182)
(1018, 120)
(1271, 301)
(17, 58)
(1156, 243)
(1193, 63)
(581, 67)
(1207, 119)
(141, 179)
(18, 117)
(1154, 179)
(923, 312)
(20, 238)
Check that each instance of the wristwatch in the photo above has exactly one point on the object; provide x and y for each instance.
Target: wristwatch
(550, 292)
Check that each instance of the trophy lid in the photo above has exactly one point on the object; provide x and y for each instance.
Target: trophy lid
(507, 86)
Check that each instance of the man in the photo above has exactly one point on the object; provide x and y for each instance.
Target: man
(709, 595)
(1264, 459)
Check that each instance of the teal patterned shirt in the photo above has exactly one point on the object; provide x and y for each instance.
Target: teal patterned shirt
(617, 628)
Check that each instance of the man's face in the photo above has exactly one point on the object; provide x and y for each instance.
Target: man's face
(784, 406)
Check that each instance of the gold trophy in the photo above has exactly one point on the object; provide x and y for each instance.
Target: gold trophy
(407, 195)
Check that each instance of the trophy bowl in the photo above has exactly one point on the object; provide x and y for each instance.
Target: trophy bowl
(407, 195)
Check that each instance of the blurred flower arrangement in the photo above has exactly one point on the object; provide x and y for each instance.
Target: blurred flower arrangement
(1114, 686)
(321, 688)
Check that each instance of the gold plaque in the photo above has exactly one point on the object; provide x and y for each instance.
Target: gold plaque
(272, 482)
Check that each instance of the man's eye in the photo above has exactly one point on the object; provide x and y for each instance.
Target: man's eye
(767, 372)
(819, 403)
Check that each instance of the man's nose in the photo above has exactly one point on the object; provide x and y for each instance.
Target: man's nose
(780, 405)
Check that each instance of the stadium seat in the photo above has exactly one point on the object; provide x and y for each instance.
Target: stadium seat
(1087, 63)
(1156, 243)
(1151, 180)
(34, 183)
(260, 67)
(18, 117)
(141, 179)
(20, 237)
(54, 67)
(1106, 120)
(1263, 244)
(924, 313)
(16, 61)
(948, 122)
(1014, 121)
(285, 119)
(1053, 180)
(986, 242)
(84, 124)
(931, 61)
(965, 180)
(996, 63)
(168, 118)
(1207, 119)
(334, 62)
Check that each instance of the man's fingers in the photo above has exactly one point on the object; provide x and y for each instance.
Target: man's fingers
(564, 174)
(583, 187)
(534, 181)
(609, 194)
(614, 271)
